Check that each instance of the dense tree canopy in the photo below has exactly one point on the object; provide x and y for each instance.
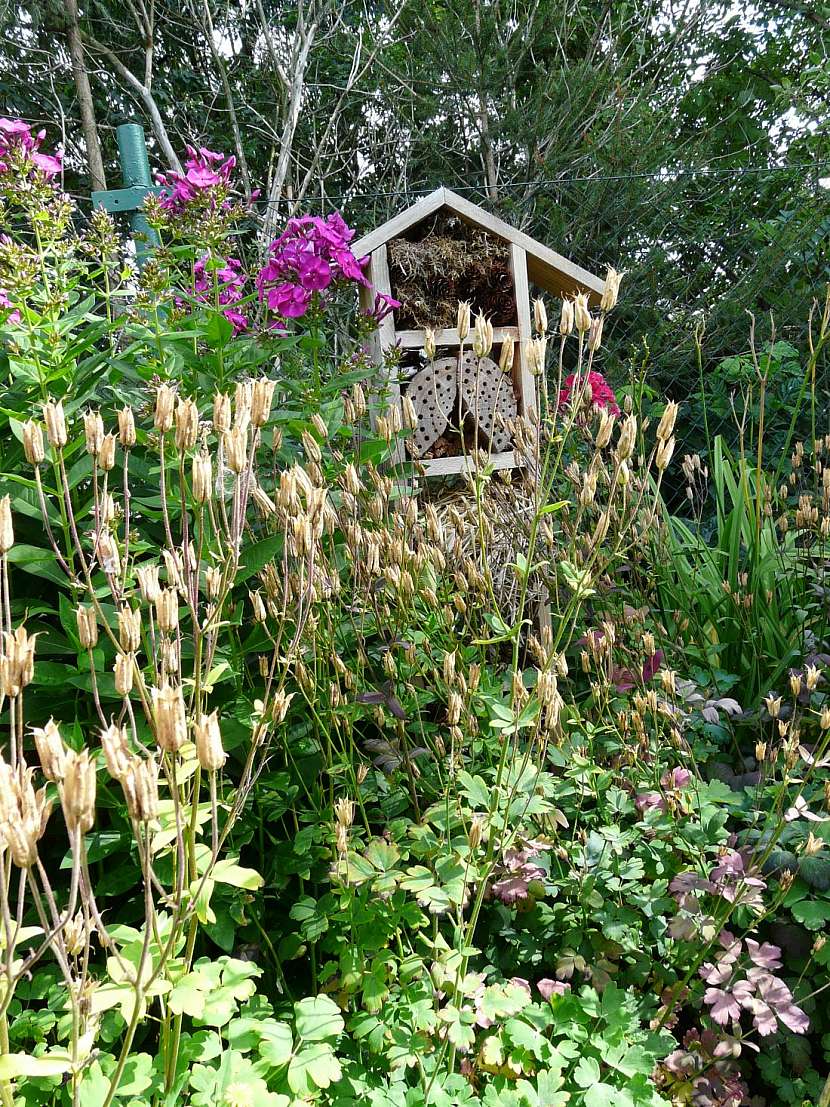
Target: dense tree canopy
(684, 142)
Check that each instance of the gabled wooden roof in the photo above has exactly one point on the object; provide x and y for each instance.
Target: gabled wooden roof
(545, 268)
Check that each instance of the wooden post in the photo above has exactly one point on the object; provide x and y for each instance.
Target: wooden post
(383, 338)
(527, 384)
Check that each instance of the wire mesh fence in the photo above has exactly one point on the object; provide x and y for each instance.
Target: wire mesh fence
(714, 258)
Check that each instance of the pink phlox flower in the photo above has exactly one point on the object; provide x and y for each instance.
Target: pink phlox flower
(16, 137)
(289, 300)
(199, 179)
(384, 305)
(5, 304)
(311, 254)
(231, 288)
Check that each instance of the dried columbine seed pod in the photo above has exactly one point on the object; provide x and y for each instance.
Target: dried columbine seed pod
(17, 663)
(33, 442)
(50, 750)
(463, 320)
(129, 628)
(93, 431)
(148, 582)
(170, 718)
(221, 412)
(429, 343)
(665, 449)
(209, 749)
(116, 750)
(87, 627)
(262, 394)
(627, 438)
(140, 784)
(124, 669)
(55, 424)
(540, 316)
(566, 319)
(665, 428)
(508, 353)
(106, 453)
(202, 477)
(582, 316)
(167, 610)
(187, 424)
(236, 448)
(126, 428)
(6, 528)
(611, 290)
(595, 334)
(78, 796)
(165, 403)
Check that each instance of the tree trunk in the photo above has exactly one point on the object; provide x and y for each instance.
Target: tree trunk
(85, 101)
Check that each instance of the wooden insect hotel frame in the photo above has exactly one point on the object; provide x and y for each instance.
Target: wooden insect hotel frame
(527, 263)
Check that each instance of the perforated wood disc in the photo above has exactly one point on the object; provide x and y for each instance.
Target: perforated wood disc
(433, 393)
(488, 394)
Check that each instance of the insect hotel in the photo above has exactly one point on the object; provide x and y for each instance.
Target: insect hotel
(442, 250)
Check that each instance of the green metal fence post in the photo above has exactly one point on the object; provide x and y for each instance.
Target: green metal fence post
(138, 183)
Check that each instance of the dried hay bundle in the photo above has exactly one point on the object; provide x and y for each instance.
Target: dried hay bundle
(451, 262)
(508, 511)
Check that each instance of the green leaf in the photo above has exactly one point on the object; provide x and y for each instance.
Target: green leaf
(137, 1075)
(811, 912)
(315, 1066)
(476, 791)
(13, 1065)
(318, 1018)
(276, 1043)
(229, 872)
(257, 556)
(586, 1073)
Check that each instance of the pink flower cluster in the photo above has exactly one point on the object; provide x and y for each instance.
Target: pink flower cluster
(597, 391)
(231, 281)
(5, 305)
(204, 172)
(309, 256)
(759, 991)
(16, 138)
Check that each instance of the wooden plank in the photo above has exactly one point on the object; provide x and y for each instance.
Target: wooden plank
(394, 227)
(414, 340)
(524, 378)
(450, 466)
(384, 337)
(526, 381)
